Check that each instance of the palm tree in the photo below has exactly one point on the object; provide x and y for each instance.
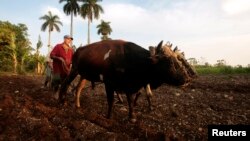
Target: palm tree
(104, 29)
(71, 7)
(90, 9)
(51, 22)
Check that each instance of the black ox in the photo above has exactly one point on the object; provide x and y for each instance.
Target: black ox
(124, 67)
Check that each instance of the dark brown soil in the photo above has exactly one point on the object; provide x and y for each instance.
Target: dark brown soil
(30, 112)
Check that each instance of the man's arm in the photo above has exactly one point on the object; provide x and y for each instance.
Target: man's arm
(54, 52)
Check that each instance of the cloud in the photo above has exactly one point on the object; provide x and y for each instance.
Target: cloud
(182, 20)
(198, 27)
(63, 17)
(235, 7)
(202, 29)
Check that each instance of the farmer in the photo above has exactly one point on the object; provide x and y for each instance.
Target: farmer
(62, 57)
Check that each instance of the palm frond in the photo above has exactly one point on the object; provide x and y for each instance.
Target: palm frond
(50, 22)
(57, 28)
(71, 6)
(44, 26)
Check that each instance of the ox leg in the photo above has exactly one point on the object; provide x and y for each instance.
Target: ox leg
(50, 81)
(149, 96)
(110, 99)
(79, 88)
(131, 114)
(65, 85)
(93, 85)
(136, 97)
(119, 97)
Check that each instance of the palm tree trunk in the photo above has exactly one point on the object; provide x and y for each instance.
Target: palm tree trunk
(37, 57)
(39, 68)
(15, 62)
(49, 42)
(22, 65)
(88, 31)
(71, 25)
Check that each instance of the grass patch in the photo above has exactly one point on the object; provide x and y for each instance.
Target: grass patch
(222, 70)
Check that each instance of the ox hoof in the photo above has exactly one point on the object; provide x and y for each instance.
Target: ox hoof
(132, 120)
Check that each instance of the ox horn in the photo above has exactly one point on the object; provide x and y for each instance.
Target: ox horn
(160, 44)
(183, 53)
(159, 47)
(175, 49)
(168, 43)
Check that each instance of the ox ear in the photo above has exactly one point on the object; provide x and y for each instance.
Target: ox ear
(154, 59)
(152, 50)
(159, 47)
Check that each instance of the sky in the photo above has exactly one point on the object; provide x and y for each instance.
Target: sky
(208, 30)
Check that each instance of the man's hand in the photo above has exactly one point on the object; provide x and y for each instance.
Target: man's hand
(61, 59)
(65, 68)
(64, 65)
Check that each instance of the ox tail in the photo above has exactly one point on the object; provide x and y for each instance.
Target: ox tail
(64, 87)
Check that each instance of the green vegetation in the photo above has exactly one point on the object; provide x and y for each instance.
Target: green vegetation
(15, 49)
(222, 70)
(104, 29)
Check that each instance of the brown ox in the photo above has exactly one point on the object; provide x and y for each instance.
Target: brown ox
(166, 49)
(124, 66)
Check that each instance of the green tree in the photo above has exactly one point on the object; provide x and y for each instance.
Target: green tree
(192, 61)
(71, 8)
(5, 36)
(51, 22)
(221, 62)
(104, 29)
(23, 46)
(31, 63)
(15, 46)
(11, 50)
(90, 9)
(39, 45)
(7, 48)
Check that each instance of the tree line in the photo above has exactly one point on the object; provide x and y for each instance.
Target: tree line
(15, 49)
(16, 53)
(221, 67)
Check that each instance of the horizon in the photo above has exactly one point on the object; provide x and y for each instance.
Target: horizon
(206, 30)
